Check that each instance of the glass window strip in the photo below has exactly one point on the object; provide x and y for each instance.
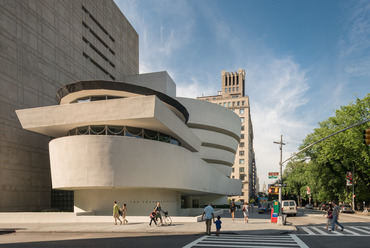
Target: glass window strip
(112, 130)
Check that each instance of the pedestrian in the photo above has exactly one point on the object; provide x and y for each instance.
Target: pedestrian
(218, 225)
(246, 212)
(124, 213)
(158, 210)
(232, 209)
(209, 215)
(329, 216)
(152, 217)
(116, 211)
(336, 211)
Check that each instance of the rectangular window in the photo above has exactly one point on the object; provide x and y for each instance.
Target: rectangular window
(232, 169)
(242, 136)
(230, 89)
(241, 144)
(242, 103)
(241, 161)
(238, 103)
(224, 104)
(241, 153)
(241, 111)
(242, 119)
(233, 104)
(241, 177)
(233, 89)
(229, 104)
(237, 89)
(241, 169)
(242, 127)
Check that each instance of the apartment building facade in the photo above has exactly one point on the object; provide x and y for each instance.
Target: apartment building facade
(232, 96)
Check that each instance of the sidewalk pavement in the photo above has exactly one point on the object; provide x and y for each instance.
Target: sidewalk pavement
(260, 226)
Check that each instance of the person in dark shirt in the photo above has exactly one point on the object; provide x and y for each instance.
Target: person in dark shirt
(232, 210)
(336, 211)
(218, 225)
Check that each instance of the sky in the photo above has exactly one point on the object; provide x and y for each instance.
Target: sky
(303, 59)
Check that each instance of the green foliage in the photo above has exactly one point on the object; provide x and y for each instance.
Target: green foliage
(323, 167)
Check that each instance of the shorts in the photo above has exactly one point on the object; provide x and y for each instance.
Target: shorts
(246, 214)
(329, 221)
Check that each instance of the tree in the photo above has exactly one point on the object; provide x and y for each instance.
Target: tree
(330, 160)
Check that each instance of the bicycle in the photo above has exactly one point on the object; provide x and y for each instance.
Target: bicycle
(166, 219)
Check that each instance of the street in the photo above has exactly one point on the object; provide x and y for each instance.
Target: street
(310, 225)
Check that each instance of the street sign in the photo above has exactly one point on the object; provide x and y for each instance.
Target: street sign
(273, 175)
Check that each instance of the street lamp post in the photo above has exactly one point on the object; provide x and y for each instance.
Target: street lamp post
(281, 169)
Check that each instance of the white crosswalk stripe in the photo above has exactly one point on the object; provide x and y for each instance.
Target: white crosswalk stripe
(248, 241)
(348, 231)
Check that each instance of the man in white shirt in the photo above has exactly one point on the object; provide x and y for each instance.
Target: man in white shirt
(209, 214)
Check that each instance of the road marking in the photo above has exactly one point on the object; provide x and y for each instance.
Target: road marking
(354, 233)
(299, 241)
(248, 241)
(308, 230)
(361, 230)
(195, 242)
(319, 231)
(348, 231)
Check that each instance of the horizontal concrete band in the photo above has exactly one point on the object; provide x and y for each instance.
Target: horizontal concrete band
(88, 162)
(86, 86)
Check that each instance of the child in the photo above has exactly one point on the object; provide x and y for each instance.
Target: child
(152, 218)
(218, 225)
(329, 216)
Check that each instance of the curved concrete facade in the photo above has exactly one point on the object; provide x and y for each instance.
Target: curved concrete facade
(139, 171)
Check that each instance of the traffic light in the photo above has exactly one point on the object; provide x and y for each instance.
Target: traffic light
(273, 190)
(367, 136)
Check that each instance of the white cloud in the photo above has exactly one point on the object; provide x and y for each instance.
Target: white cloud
(277, 89)
(354, 45)
(167, 28)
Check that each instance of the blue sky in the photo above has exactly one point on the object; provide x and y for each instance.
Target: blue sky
(303, 59)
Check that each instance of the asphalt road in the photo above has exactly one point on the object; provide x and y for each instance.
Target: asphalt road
(305, 220)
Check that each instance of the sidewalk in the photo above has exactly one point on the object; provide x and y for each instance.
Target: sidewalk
(260, 224)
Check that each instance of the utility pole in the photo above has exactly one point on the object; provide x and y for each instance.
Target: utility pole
(353, 187)
(281, 169)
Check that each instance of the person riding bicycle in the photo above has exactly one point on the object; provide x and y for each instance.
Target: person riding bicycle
(158, 211)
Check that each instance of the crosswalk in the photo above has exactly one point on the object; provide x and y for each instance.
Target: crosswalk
(275, 241)
(248, 241)
(348, 231)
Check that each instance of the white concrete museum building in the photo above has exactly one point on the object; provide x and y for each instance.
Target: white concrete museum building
(135, 142)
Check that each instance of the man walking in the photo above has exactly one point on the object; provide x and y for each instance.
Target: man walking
(336, 211)
(209, 214)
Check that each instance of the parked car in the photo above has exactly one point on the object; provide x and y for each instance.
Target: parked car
(324, 206)
(309, 206)
(289, 207)
(346, 208)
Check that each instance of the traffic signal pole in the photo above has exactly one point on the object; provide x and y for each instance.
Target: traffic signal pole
(281, 169)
